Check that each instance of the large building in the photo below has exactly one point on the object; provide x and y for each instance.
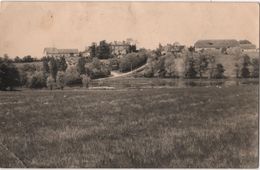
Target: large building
(216, 44)
(172, 48)
(54, 52)
(244, 45)
(118, 48)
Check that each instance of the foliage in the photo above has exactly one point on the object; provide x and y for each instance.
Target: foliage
(36, 80)
(132, 61)
(60, 80)
(50, 82)
(46, 68)
(97, 69)
(103, 50)
(9, 75)
(85, 80)
(28, 68)
(61, 64)
(72, 76)
(202, 64)
(218, 71)
(53, 66)
(114, 63)
(92, 49)
(190, 71)
(81, 65)
(255, 64)
(245, 73)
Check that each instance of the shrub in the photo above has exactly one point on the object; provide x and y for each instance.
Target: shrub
(72, 76)
(50, 82)
(190, 71)
(36, 80)
(60, 80)
(85, 80)
(28, 68)
(218, 71)
(132, 61)
(97, 69)
(81, 65)
(9, 75)
(255, 64)
(114, 63)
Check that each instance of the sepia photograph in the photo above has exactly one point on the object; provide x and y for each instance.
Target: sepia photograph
(129, 85)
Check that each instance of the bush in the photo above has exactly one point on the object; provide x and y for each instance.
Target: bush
(36, 80)
(50, 82)
(72, 76)
(97, 69)
(255, 64)
(85, 80)
(60, 80)
(218, 72)
(9, 75)
(132, 61)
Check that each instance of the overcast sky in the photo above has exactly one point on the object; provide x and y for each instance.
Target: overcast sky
(28, 27)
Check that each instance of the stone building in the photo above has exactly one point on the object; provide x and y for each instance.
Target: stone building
(54, 52)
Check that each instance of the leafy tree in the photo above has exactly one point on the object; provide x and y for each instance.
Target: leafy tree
(50, 82)
(27, 58)
(93, 50)
(60, 80)
(36, 80)
(237, 70)
(131, 61)
(190, 71)
(81, 65)
(202, 65)
(17, 59)
(9, 75)
(191, 49)
(28, 68)
(97, 69)
(255, 64)
(72, 76)
(170, 66)
(219, 71)
(103, 50)
(245, 73)
(46, 68)
(85, 80)
(61, 64)
(53, 68)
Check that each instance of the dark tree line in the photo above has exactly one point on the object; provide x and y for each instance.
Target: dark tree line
(25, 59)
(9, 75)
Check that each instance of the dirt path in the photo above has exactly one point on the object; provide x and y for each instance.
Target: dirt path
(116, 74)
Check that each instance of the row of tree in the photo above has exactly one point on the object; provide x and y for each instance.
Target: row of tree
(196, 65)
(25, 59)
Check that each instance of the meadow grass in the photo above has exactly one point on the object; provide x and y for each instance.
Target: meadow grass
(142, 128)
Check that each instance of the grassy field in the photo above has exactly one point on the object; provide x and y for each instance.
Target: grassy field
(183, 127)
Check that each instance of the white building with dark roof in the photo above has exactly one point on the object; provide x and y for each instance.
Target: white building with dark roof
(216, 44)
(54, 52)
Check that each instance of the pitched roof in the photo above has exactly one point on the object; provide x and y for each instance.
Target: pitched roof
(51, 50)
(247, 46)
(216, 43)
(66, 51)
(244, 42)
(60, 51)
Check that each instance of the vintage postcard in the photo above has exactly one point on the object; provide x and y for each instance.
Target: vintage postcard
(129, 85)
